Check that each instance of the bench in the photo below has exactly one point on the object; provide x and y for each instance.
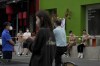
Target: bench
(89, 52)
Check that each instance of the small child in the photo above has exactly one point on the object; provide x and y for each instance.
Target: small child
(80, 49)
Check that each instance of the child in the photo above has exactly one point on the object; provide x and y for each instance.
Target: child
(80, 49)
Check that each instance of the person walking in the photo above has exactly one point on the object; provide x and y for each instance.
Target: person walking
(61, 42)
(20, 42)
(26, 35)
(7, 42)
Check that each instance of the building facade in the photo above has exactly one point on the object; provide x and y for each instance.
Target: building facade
(20, 13)
(84, 14)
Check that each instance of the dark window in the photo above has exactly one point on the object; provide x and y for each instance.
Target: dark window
(94, 22)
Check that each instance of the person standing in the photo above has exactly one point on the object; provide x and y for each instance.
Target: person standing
(20, 42)
(80, 49)
(26, 35)
(43, 47)
(7, 42)
(61, 42)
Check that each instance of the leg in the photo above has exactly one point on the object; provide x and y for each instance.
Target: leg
(26, 51)
(58, 57)
(79, 50)
(7, 55)
(18, 48)
(69, 49)
(59, 52)
(21, 46)
(82, 48)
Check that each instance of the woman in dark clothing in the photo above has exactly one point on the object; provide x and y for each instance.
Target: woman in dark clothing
(43, 47)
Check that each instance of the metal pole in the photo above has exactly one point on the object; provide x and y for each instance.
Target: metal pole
(17, 24)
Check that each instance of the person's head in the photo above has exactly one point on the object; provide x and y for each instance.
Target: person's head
(58, 22)
(7, 25)
(71, 33)
(43, 20)
(20, 31)
(84, 31)
(27, 30)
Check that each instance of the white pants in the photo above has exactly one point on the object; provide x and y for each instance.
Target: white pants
(20, 47)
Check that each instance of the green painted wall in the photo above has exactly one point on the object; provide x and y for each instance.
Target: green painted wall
(77, 7)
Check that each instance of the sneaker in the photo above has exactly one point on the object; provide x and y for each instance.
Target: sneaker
(26, 55)
(8, 60)
(23, 53)
(18, 53)
(0, 55)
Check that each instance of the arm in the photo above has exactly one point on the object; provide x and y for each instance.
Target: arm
(11, 42)
(9, 39)
(38, 42)
(30, 43)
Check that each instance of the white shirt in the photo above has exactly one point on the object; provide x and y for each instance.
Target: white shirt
(60, 36)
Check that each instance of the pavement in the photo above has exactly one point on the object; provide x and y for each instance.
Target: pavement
(81, 62)
(18, 61)
(24, 61)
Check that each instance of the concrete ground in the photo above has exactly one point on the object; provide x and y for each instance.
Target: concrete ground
(24, 61)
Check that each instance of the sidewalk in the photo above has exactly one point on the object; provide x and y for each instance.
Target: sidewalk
(18, 61)
(24, 61)
(82, 62)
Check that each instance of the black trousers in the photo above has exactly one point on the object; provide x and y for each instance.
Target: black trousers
(80, 48)
(7, 54)
(59, 52)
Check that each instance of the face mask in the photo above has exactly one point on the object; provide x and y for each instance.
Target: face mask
(10, 28)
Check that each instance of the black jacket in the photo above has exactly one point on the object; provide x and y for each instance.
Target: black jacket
(43, 48)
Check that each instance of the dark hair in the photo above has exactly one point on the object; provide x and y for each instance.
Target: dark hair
(45, 20)
(70, 31)
(84, 30)
(58, 22)
(6, 24)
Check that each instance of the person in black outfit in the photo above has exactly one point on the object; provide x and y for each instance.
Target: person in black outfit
(43, 46)
(80, 49)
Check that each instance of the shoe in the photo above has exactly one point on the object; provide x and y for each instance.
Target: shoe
(23, 53)
(26, 55)
(18, 53)
(8, 60)
(0, 55)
